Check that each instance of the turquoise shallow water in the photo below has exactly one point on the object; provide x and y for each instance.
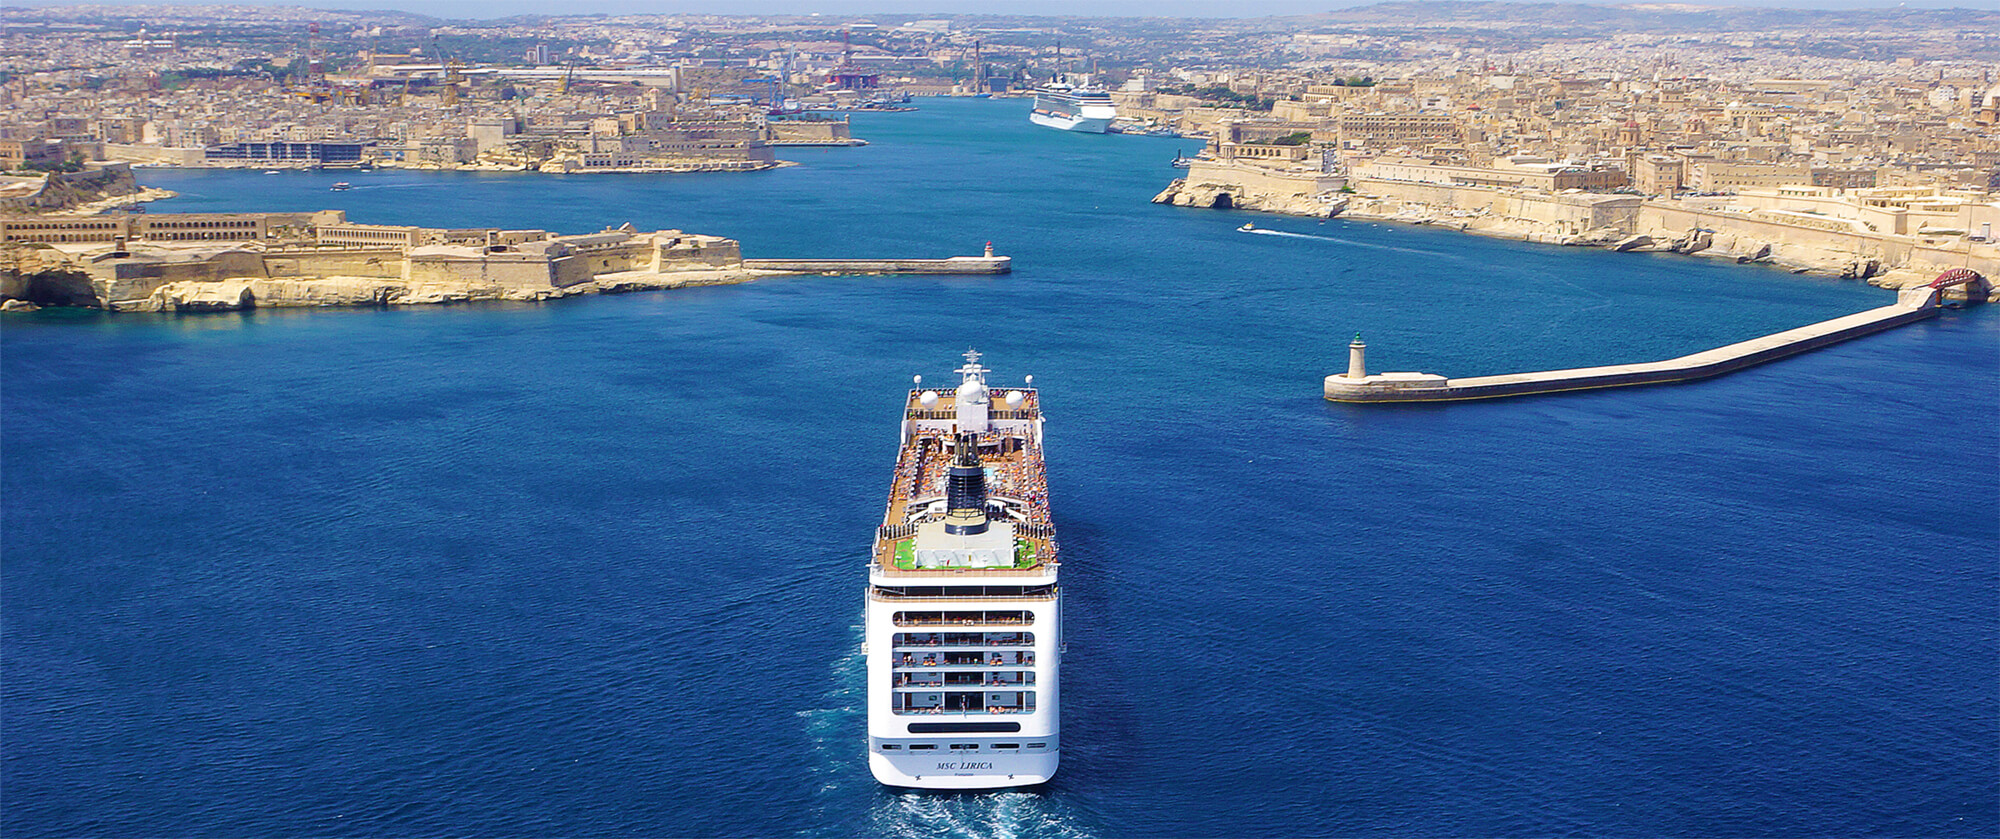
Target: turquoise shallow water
(594, 567)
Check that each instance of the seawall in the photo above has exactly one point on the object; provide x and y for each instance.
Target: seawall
(831, 267)
(1802, 242)
(1911, 305)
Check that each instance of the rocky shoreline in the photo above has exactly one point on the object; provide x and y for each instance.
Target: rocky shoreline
(1634, 230)
(1232, 196)
(105, 205)
(1705, 244)
(372, 292)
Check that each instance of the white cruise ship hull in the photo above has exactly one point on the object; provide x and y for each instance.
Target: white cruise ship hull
(964, 750)
(1085, 124)
(963, 771)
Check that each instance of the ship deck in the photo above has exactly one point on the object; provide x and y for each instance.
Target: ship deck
(1016, 478)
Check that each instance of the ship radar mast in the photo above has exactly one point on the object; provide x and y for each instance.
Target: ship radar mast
(972, 371)
(971, 398)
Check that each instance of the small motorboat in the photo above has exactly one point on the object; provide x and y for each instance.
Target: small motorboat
(1247, 227)
(342, 186)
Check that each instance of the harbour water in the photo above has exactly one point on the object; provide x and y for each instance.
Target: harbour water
(595, 568)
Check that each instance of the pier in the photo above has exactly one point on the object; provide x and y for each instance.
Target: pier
(988, 264)
(1912, 304)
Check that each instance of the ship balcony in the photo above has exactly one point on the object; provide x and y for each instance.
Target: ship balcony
(980, 703)
(960, 641)
(933, 662)
(1015, 679)
(965, 618)
(960, 594)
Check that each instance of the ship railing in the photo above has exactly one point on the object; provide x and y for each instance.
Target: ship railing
(986, 683)
(1035, 531)
(935, 712)
(940, 645)
(895, 532)
(872, 595)
(1043, 569)
(993, 413)
(983, 620)
(962, 667)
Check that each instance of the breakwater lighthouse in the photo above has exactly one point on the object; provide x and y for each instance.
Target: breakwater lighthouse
(1357, 358)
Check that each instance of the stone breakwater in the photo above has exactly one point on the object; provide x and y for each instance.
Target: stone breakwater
(1357, 385)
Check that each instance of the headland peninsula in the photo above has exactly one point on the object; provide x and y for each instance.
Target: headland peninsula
(207, 262)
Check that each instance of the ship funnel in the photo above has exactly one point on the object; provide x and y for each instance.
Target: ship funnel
(965, 493)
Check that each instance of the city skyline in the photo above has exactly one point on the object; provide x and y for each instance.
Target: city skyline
(468, 9)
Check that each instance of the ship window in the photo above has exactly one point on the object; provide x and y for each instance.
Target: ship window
(965, 745)
(1006, 745)
(919, 747)
(1038, 745)
(964, 728)
(890, 747)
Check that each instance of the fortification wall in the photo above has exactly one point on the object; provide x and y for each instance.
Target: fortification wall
(1531, 212)
(698, 253)
(1242, 186)
(524, 272)
(1812, 247)
(384, 264)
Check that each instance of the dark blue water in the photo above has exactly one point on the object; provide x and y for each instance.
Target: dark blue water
(594, 568)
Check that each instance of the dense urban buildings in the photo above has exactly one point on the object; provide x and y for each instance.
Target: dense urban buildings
(1566, 123)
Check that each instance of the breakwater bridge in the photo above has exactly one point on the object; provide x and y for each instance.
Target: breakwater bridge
(1912, 304)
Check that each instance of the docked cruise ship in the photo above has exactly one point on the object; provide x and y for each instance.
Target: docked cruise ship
(964, 623)
(1073, 107)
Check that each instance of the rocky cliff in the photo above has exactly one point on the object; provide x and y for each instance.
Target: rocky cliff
(73, 190)
(1236, 196)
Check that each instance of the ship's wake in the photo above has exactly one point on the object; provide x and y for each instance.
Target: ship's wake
(987, 815)
(836, 732)
(1262, 232)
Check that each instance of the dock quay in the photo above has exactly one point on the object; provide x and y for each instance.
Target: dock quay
(988, 264)
(1912, 304)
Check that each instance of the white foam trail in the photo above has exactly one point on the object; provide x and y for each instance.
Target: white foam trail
(1262, 231)
(837, 755)
(992, 815)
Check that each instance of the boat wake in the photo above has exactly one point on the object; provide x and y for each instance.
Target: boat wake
(1262, 232)
(990, 815)
(838, 763)
(835, 731)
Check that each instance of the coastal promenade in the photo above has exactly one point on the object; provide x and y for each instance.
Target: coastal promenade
(1912, 304)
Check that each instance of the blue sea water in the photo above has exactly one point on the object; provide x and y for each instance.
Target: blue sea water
(594, 568)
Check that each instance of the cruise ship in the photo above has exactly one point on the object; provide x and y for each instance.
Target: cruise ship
(1073, 107)
(964, 619)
